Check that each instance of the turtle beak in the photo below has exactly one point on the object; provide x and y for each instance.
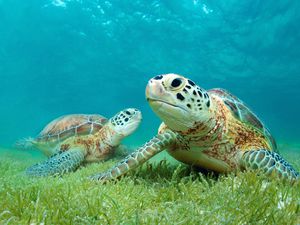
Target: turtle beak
(159, 99)
(154, 90)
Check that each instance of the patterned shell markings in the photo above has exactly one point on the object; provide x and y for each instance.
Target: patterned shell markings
(243, 113)
(69, 125)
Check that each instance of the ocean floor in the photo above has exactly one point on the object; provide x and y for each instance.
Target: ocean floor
(160, 192)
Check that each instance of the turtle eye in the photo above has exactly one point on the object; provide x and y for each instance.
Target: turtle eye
(176, 83)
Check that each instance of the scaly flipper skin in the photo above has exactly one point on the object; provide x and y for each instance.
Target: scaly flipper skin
(138, 157)
(58, 164)
(80, 138)
(211, 130)
(269, 162)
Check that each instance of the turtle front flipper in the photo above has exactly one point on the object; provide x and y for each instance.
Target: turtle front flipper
(138, 157)
(59, 163)
(269, 162)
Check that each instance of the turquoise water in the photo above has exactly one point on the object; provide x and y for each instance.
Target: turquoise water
(71, 56)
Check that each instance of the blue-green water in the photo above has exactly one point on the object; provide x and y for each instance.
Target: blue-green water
(72, 56)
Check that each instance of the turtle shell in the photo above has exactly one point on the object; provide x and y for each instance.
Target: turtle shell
(71, 125)
(243, 113)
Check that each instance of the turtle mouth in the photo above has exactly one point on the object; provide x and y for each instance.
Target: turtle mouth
(151, 100)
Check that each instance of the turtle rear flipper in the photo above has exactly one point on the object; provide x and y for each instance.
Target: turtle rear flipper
(269, 162)
(58, 164)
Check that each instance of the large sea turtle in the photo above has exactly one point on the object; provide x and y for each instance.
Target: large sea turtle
(209, 129)
(74, 139)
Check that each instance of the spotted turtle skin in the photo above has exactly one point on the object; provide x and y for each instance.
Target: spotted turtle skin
(72, 140)
(210, 129)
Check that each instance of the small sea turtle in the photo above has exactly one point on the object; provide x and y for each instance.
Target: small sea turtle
(209, 129)
(74, 139)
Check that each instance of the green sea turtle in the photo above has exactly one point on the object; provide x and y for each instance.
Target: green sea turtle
(209, 129)
(74, 139)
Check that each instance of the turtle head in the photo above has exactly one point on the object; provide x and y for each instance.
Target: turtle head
(178, 101)
(126, 121)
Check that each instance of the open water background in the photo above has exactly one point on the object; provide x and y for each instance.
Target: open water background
(59, 57)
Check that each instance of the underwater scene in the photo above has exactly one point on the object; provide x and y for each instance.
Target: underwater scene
(85, 86)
